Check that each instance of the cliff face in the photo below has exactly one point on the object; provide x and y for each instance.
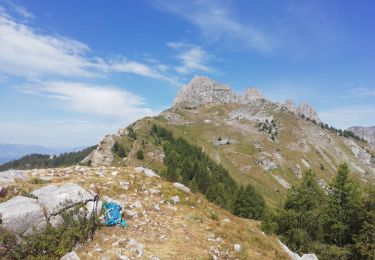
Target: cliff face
(367, 133)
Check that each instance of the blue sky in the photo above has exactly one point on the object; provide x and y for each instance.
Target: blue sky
(73, 71)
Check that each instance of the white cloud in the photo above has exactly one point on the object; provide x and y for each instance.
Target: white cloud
(104, 101)
(27, 52)
(363, 92)
(192, 57)
(344, 117)
(217, 23)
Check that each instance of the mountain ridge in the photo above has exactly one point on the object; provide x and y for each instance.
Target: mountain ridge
(367, 133)
(203, 90)
(260, 142)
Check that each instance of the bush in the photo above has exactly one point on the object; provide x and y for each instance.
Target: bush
(140, 155)
(52, 243)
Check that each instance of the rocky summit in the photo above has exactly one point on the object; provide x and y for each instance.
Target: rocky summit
(202, 90)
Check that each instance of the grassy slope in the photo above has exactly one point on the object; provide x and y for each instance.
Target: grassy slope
(241, 157)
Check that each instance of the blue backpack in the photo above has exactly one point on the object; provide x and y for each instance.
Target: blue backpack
(113, 214)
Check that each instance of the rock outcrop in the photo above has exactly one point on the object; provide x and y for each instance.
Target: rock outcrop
(12, 175)
(304, 109)
(367, 133)
(202, 90)
(24, 215)
(102, 155)
(250, 95)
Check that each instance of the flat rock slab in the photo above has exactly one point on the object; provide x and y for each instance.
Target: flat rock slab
(21, 214)
(55, 199)
(12, 175)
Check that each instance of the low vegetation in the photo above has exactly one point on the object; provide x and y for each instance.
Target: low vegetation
(52, 243)
(337, 223)
(38, 161)
(119, 150)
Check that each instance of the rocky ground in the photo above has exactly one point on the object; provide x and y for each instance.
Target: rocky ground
(165, 221)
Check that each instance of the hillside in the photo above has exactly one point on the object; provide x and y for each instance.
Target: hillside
(33, 161)
(164, 221)
(266, 144)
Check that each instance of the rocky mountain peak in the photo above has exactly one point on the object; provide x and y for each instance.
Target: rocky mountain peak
(202, 90)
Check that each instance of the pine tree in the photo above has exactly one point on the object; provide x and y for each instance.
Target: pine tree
(343, 208)
(365, 239)
(186, 172)
(248, 203)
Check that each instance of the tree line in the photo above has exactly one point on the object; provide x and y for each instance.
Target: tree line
(188, 164)
(337, 222)
(37, 161)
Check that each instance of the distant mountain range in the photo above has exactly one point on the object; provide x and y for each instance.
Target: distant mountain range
(10, 152)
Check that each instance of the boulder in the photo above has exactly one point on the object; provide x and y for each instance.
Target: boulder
(147, 172)
(56, 199)
(22, 214)
(181, 187)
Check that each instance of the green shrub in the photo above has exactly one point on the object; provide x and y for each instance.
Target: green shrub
(140, 155)
(52, 243)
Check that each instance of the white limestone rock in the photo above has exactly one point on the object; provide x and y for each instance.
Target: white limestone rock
(304, 109)
(147, 172)
(294, 256)
(182, 187)
(202, 90)
(11, 175)
(367, 133)
(54, 198)
(250, 95)
(22, 214)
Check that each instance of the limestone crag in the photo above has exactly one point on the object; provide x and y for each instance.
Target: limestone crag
(250, 95)
(290, 106)
(202, 90)
(304, 109)
(367, 133)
